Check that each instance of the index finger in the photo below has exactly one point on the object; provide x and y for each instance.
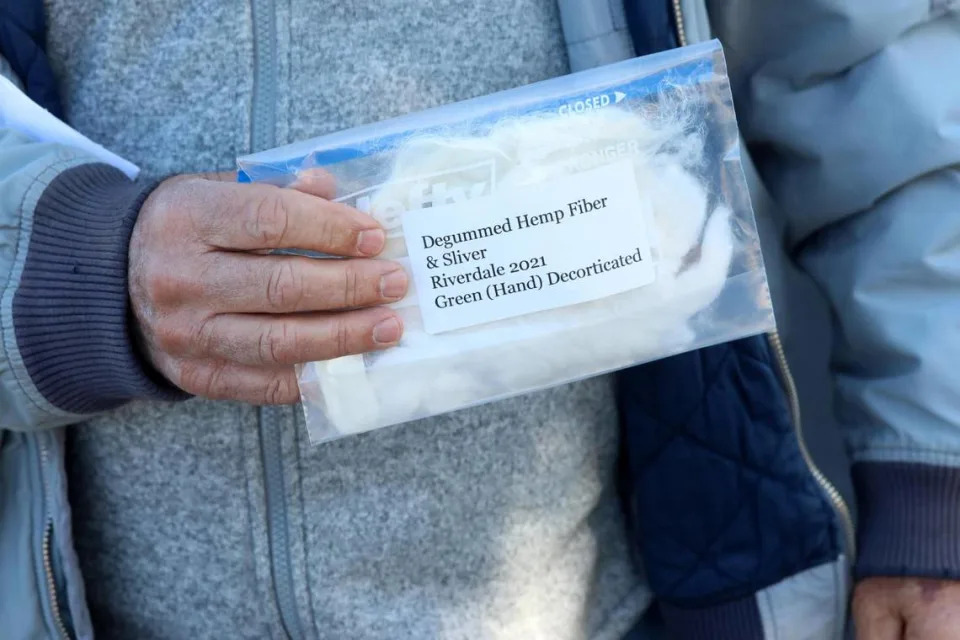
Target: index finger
(257, 216)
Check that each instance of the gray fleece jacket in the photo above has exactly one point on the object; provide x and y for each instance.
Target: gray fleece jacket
(204, 519)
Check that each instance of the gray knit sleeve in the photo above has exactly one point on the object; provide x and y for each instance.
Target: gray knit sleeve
(71, 311)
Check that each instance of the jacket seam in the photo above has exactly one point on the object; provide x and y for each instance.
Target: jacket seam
(21, 250)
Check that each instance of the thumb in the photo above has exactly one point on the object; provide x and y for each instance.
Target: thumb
(219, 176)
(316, 182)
(876, 610)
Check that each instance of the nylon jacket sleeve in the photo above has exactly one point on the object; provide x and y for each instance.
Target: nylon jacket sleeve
(67, 346)
(852, 110)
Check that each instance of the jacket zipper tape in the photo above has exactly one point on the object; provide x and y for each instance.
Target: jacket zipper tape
(47, 543)
(263, 135)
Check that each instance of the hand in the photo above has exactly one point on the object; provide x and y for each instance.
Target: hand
(907, 609)
(221, 317)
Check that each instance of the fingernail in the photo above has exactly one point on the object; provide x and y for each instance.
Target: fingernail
(371, 241)
(394, 284)
(387, 331)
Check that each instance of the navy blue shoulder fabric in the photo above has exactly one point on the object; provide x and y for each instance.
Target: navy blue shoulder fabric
(718, 498)
(651, 25)
(23, 45)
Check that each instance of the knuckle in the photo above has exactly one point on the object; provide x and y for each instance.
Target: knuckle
(332, 232)
(171, 336)
(352, 283)
(189, 375)
(268, 220)
(285, 287)
(276, 344)
(341, 337)
(202, 379)
(278, 391)
(162, 288)
(204, 336)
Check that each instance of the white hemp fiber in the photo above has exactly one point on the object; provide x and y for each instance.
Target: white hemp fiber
(692, 245)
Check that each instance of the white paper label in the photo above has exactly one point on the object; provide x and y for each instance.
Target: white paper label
(570, 240)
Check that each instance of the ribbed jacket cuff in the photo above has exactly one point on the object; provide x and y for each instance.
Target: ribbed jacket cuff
(736, 620)
(71, 311)
(909, 520)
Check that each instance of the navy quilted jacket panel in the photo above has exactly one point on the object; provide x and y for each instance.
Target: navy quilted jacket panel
(717, 494)
(22, 44)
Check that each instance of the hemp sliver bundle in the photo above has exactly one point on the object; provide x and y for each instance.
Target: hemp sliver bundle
(554, 232)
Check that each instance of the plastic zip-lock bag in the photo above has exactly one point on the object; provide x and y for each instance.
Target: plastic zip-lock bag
(553, 232)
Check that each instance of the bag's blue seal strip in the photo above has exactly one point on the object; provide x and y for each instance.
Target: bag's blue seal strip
(691, 72)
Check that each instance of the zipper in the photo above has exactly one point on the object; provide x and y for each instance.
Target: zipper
(281, 566)
(51, 582)
(263, 135)
(836, 500)
(46, 546)
(263, 124)
(678, 22)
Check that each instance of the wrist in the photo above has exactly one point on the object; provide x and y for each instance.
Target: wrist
(71, 311)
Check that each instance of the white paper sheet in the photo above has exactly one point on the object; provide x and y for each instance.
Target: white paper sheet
(19, 112)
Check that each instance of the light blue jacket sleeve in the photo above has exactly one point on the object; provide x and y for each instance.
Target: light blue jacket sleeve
(26, 169)
(852, 111)
(41, 587)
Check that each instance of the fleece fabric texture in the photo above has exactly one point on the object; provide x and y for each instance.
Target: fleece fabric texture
(500, 521)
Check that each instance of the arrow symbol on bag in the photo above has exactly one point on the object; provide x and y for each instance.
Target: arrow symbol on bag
(618, 96)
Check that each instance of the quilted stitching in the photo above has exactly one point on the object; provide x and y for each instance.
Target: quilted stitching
(717, 493)
(22, 33)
